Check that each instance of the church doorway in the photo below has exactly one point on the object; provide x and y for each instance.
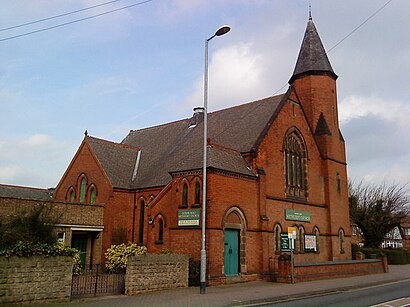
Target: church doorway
(231, 252)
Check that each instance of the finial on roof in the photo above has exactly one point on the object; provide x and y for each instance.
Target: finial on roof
(86, 133)
(310, 11)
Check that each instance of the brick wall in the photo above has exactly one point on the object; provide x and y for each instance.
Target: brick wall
(156, 272)
(325, 270)
(35, 279)
(72, 214)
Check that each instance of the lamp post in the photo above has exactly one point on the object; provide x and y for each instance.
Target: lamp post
(221, 31)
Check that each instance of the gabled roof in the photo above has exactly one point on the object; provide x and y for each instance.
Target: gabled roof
(25, 192)
(117, 160)
(175, 147)
(312, 57)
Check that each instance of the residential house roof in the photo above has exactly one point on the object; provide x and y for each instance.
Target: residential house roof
(25, 192)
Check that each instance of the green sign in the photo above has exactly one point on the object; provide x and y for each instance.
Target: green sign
(284, 242)
(188, 217)
(296, 215)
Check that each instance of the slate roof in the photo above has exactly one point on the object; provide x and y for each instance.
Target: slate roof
(25, 192)
(312, 57)
(175, 147)
(117, 160)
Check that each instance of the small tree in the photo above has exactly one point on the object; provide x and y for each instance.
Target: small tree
(377, 209)
(34, 226)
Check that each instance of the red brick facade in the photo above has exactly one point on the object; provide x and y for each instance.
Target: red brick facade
(253, 206)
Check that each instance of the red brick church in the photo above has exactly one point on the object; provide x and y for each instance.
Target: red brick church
(275, 163)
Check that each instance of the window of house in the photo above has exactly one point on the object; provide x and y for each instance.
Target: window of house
(276, 232)
(407, 232)
(301, 240)
(338, 183)
(61, 237)
(341, 240)
(92, 195)
(316, 233)
(160, 231)
(83, 187)
(72, 196)
(197, 193)
(185, 195)
(141, 224)
(295, 165)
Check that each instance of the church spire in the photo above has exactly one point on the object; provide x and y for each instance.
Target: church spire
(312, 59)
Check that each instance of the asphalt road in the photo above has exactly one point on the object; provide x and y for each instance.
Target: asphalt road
(368, 296)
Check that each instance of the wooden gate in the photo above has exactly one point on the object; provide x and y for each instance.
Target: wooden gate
(96, 283)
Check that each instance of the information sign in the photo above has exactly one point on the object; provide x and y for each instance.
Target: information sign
(297, 215)
(188, 217)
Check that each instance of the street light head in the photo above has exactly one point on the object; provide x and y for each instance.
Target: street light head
(223, 30)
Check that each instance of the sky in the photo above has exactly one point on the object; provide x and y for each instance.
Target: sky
(144, 66)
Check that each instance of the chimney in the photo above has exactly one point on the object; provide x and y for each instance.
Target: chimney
(197, 117)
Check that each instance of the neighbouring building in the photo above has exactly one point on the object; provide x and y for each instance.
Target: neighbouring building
(78, 226)
(274, 164)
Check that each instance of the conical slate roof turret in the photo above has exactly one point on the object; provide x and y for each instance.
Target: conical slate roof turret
(312, 59)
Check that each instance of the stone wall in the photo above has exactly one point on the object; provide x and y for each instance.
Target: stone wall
(156, 272)
(36, 279)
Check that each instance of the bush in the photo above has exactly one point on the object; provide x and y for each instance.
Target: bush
(194, 272)
(31, 226)
(117, 256)
(394, 256)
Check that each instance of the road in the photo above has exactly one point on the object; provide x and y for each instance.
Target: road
(369, 296)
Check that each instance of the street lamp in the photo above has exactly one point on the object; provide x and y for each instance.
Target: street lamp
(221, 31)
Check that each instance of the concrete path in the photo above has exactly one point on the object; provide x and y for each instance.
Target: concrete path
(239, 294)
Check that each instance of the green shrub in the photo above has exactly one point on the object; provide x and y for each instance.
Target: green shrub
(117, 256)
(194, 272)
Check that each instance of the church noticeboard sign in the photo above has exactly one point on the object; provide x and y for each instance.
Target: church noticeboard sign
(297, 215)
(284, 242)
(188, 217)
(310, 243)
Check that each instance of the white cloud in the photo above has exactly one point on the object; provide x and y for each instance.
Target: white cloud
(37, 159)
(235, 76)
(354, 106)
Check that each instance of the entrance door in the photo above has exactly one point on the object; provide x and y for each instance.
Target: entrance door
(80, 243)
(231, 252)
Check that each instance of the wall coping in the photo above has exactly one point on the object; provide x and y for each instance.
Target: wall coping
(336, 262)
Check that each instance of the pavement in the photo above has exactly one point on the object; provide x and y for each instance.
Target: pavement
(243, 294)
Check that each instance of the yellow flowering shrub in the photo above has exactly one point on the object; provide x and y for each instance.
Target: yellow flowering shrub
(117, 256)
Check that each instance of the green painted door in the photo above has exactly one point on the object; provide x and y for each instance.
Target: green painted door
(80, 243)
(231, 252)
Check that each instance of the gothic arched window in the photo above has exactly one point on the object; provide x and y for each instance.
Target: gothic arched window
(294, 149)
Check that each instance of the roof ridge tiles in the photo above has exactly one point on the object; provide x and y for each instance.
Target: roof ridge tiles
(22, 187)
(224, 148)
(114, 143)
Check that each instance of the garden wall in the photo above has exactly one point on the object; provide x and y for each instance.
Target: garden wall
(326, 270)
(36, 279)
(156, 272)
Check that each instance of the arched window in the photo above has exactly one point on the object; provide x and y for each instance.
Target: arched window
(341, 241)
(316, 233)
(160, 231)
(185, 195)
(71, 195)
(301, 239)
(295, 164)
(83, 187)
(92, 195)
(197, 193)
(276, 232)
(141, 224)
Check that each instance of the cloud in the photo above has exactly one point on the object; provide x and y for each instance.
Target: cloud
(36, 159)
(235, 76)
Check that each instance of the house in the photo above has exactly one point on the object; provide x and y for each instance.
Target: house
(393, 239)
(405, 231)
(78, 226)
(275, 165)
